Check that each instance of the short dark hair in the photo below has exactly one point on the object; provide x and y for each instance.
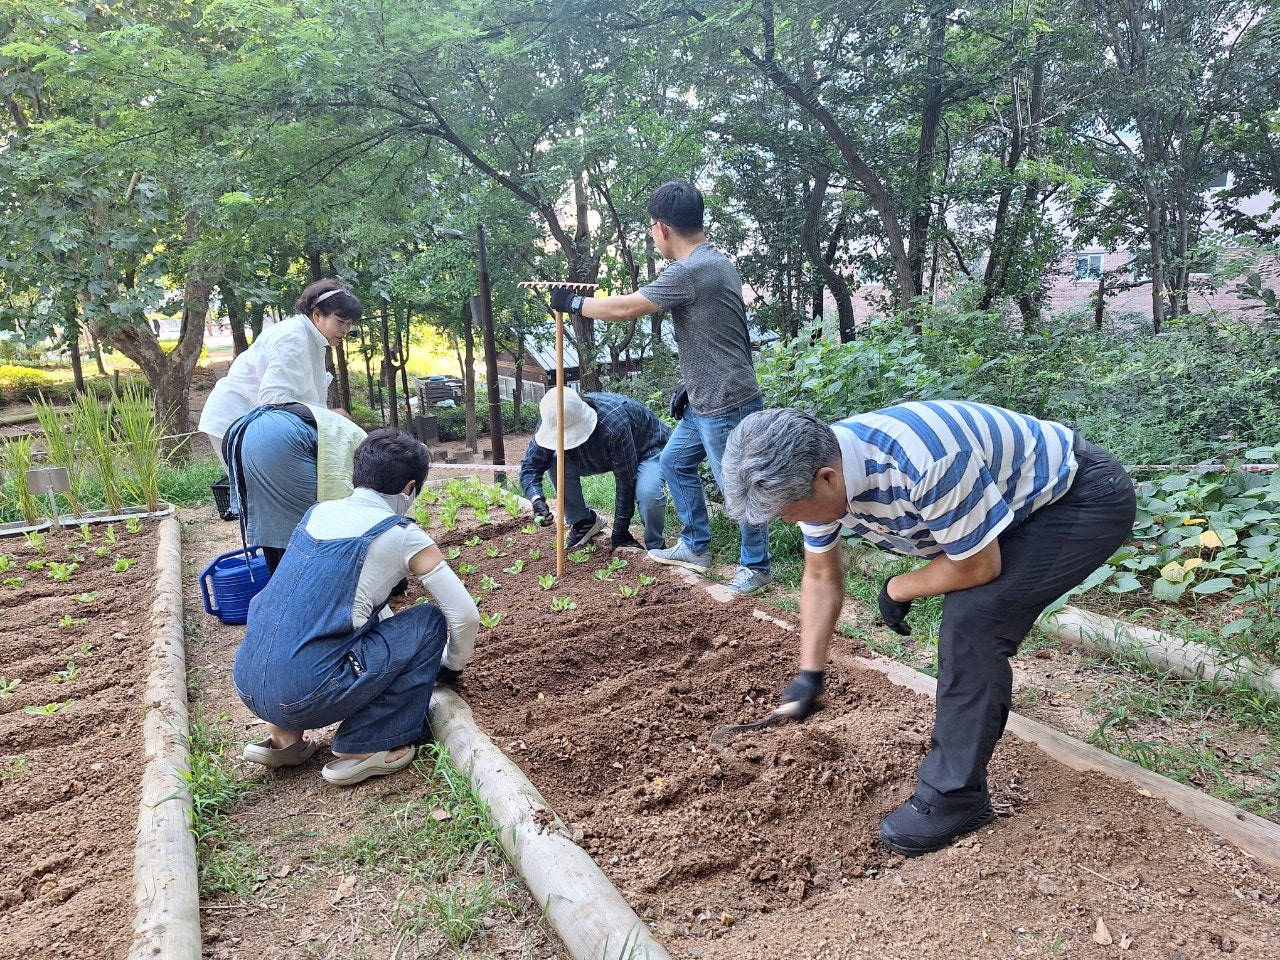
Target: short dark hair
(345, 303)
(388, 459)
(678, 205)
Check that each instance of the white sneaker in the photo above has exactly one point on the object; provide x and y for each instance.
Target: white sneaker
(682, 556)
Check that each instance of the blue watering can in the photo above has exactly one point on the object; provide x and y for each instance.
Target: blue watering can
(229, 583)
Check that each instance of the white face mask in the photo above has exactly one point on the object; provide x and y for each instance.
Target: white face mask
(406, 501)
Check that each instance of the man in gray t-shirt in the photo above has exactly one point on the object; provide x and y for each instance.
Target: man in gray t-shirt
(703, 292)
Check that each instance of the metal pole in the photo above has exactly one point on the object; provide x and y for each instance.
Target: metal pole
(490, 353)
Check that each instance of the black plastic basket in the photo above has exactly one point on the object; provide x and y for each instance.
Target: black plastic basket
(222, 498)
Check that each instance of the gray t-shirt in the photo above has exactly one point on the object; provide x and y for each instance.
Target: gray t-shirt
(703, 292)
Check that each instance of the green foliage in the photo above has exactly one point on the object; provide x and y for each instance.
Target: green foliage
(451, 422)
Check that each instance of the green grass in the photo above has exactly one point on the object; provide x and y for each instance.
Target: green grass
(1132, 704)
(187, 485)
(226, 863)
(439, 837)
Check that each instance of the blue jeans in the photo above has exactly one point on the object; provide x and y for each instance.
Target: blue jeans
(650, 497)
(696, 439)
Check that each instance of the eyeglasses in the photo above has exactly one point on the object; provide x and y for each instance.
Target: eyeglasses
(654, 223)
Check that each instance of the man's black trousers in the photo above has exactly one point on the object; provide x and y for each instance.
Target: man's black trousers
(1043, 557)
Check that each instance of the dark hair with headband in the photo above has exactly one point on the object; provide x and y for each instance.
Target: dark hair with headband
(329, 296)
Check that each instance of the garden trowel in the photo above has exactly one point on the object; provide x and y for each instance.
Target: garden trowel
(785, 712)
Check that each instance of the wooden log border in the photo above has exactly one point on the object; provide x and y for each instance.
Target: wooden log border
(166, 887)
(584, 909)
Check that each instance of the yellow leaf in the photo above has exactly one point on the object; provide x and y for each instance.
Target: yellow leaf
(1210, 540)
(1192, 563)
(1194, 521)
(1172, 571)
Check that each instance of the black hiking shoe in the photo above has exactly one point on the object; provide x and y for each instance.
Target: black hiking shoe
(919, 827)
(583, 531)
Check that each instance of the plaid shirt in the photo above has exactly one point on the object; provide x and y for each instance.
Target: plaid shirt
(626, 433)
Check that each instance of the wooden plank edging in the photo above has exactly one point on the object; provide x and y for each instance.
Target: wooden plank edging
(166, 888)
(586, 911)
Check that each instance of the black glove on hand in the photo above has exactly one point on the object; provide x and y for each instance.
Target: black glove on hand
(561, 298)
(446, 675)
(679, 401)
(623, 539)
(893, 612)
(541, 512)
(804, 690)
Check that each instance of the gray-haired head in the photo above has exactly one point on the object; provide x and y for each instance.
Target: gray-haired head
(770, 460)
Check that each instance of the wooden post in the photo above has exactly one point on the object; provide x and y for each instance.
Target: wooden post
(560, 388)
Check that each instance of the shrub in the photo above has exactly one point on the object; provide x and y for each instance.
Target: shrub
(17, 382)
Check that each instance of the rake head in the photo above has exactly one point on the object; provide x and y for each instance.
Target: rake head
(557, 285)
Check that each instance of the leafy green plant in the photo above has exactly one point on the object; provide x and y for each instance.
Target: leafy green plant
(61, 572)
(37, 564)
(109, 534)
(494, 551)
(133, 525)
(7, 560)
(487, 583)
(66, 620)
(482, 515)
(559, 604)
(8, 686)
(535, 554)
(66, 674)
(627, 592)
(453, 553)
(602, 575)
(47, 710)
(490, 620)
(14, 583)
(86, 533)
(449, 515)
(547, 581)
(465, 569)
(472, 542)
(646, 580)
(516, 567)
(35, 540)
(615, 564)
(103, 551)
(583, 555)
(529, 529)
(86, 597)
(122, 564)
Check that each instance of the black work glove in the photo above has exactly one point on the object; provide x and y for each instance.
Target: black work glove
(624, 540)
(804, 690)
(679, 401)
(893, 612)
(541, 512)
(449, 676)
(561, 297)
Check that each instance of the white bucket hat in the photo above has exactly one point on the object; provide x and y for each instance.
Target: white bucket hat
(579, 420)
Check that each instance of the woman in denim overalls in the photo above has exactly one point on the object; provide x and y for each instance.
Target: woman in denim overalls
(319, 647)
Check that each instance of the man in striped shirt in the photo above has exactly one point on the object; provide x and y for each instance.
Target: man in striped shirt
(1010, 512)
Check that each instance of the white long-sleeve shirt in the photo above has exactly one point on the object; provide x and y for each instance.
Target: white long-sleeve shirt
(284, 365)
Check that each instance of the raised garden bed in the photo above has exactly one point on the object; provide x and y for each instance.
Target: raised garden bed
(72, 736)
(767, 847)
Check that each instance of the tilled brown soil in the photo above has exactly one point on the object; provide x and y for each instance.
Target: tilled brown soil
(69, 786)
(766, 848)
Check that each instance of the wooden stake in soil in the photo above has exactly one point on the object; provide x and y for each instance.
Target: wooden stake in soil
(584, 288)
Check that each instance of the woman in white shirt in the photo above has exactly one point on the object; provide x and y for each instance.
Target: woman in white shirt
(285, 364)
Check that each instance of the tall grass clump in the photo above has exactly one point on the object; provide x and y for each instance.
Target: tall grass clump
(138, 434)
(60, 449)
(17, 456)
(91, 419)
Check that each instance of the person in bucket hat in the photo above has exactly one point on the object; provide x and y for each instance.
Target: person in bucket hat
(603, 433)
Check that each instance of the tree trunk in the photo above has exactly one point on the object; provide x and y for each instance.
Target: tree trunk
(838, 285)
(235, 318)
(469, 374)
(388, 366)
(930, 120)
